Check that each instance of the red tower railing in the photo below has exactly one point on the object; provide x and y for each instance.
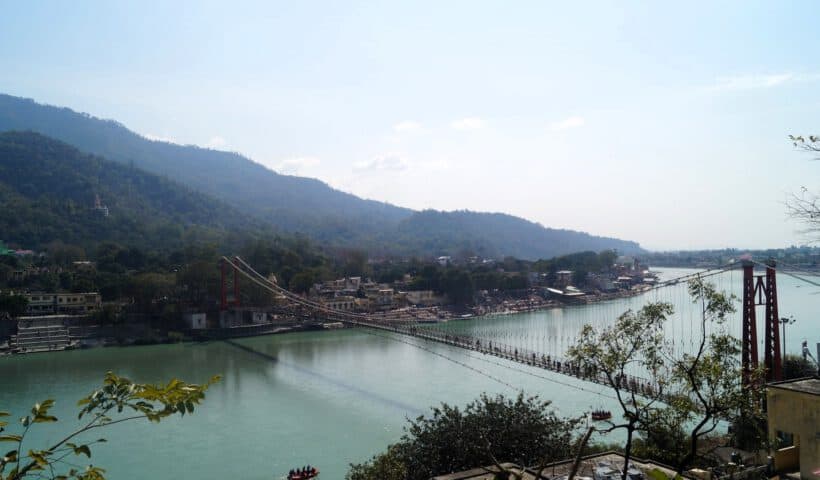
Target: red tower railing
(749, 336)
(223, 301)
(757, 292)
(772, 355)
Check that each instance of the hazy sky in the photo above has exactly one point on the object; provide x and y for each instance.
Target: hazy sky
(665, 124)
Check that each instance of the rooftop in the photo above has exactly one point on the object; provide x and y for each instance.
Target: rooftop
(810, 385)
(559, 469)
(484, 473)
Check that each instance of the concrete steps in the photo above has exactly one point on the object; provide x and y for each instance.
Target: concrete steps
(40, 339)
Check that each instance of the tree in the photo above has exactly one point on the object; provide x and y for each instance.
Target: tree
(693, 391)
(523, 430)
(707, 381)
(634, 342)
(458, 286)
(102, 408)
(805, 206)
(14, 305)
(385, 466)
(795, 366)
(302, 282)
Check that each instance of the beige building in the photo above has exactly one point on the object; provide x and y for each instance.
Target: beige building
(342, 302)
(794, 421)
(69, 303)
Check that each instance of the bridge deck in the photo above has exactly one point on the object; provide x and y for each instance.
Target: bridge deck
(522, 356)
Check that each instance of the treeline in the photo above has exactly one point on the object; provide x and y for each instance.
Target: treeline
(190, 275)
(461, 282)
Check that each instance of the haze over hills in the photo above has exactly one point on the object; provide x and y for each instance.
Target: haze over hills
(48, 190)
(298, 204)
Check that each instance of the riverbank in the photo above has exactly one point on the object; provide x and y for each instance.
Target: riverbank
(90, 336)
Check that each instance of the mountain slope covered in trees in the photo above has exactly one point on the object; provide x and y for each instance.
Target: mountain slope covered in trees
(487, 233)
(297, 204)
(48, 190)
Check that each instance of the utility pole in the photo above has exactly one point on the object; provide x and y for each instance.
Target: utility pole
(786, 321)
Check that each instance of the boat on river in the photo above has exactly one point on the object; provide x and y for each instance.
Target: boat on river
(598, 415)
(303, 473)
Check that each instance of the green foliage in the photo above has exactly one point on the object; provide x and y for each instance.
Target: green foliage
(48, 190)
(389, 465)
(795, 366)
(523, 430)
(660, 441)
(636, 341)
(301, 282)
(118, 400)
(436, 233)
(584, 262)
(14, 305)
(706, 383)
(458, 285)
(698, 389)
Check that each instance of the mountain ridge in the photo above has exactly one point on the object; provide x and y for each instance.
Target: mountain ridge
(49, 189)
(292, 203)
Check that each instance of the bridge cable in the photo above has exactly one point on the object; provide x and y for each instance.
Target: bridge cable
(785, 272)
(371, 331)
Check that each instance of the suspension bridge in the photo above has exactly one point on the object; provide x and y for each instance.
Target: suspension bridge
(758, 290)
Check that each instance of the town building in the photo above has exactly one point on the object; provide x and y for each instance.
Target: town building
(195, 320)
(344, 303)
(563, 278)
(793, 408)
(381, 299)
(62, 303)
(99, 207)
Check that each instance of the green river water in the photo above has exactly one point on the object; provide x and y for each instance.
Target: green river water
(327, 398)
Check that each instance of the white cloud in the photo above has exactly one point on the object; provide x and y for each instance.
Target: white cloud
(381, 163)
(294, 165)
(468, 123)
(216, 142)
(760, 81)
(434, 166)
(407, 126)
(567, 123)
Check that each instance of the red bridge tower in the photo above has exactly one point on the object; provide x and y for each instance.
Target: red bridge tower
(757, 292)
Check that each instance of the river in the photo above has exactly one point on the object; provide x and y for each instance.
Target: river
(327, 398)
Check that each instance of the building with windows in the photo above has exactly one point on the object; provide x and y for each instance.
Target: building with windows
(794, 421)
(342, 302)
(65, 303)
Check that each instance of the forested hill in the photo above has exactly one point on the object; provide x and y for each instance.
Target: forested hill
(291, 203)
(490, 233)
(48, 190)
(298, 204)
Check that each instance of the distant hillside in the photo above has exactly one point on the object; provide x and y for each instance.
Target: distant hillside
(300, 204)
(291, 203)
(48, 190)
(495, 234)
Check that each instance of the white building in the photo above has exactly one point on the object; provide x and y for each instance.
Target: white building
(195, 321)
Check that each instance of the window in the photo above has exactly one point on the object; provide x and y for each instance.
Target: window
(784, 439)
